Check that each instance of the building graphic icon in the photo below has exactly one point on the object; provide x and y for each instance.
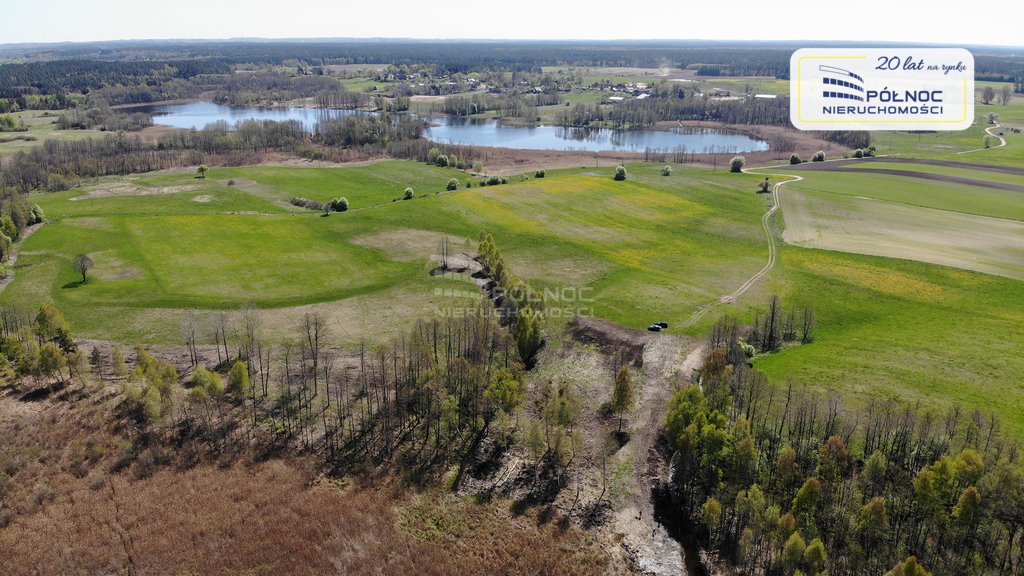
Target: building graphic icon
(841, 84)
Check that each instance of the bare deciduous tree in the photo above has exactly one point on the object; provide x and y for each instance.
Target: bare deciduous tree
(83, 264)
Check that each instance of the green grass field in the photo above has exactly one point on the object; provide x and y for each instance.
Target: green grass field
(41, 126)
(926, 334)
(951, 145)
(650, 248)
(961, 171)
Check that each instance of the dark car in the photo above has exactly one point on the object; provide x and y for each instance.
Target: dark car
(663, 324)
(654, 328)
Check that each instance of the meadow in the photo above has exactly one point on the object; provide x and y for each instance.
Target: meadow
(652, 247)
(969, 227)
(928, 335)
(649, 248)
(41, 126)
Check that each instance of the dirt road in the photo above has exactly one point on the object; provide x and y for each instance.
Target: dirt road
(772, 251)
(649, 545)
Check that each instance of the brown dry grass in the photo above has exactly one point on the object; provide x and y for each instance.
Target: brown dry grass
(70, 513)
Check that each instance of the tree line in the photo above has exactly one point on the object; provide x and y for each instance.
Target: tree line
(506, 105)
(74, 75)
(58, 165)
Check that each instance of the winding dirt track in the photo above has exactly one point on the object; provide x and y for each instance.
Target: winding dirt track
(1002, 141)
(772, 251)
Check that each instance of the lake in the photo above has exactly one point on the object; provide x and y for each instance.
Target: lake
(475, 132)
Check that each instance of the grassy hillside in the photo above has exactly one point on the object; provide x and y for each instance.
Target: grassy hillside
(892, 328)
(650, 248)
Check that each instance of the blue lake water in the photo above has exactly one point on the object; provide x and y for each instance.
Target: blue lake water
(475, 132)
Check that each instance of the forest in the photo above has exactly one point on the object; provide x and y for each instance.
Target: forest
(786, 480)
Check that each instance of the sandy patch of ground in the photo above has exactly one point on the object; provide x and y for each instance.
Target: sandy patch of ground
(411, 245)
(110, 267)
(202, 199)
(127, 186)
(91, 223)
(571, 272)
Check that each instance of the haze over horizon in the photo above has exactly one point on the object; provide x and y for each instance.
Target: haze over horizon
(899, 22)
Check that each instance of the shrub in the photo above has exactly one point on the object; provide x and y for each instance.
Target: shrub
(442, 161)
(666, 171)
(432, 154)
(539, 173)
(409, 193)
(819, 156)
(795, 159)
(231, 182)
(620, 172)
(35, 215)
(453, 184)
(238, 379)
(339, 204)
(736, 164)
(478, 167)
(858, 153)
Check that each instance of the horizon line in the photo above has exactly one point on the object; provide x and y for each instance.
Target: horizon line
(321, 39)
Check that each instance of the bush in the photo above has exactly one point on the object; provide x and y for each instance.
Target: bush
(620, 173)
(339, 204)
(795, 159)
(666, 171)
(442, 161)
(736, 164)
(858, 153)
(453, 184)
(409, 193)
(539, 173)
(819, 156)
(35, 215)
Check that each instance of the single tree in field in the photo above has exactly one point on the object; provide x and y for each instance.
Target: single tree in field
(623, 394)
(1004, 95)
(736, 164)
(83, 264)
(988, 95)
(202, 170)
(620, 173)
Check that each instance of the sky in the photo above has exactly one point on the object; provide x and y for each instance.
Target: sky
(897, 21)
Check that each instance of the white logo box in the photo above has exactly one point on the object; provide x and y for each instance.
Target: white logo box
(881, 89)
